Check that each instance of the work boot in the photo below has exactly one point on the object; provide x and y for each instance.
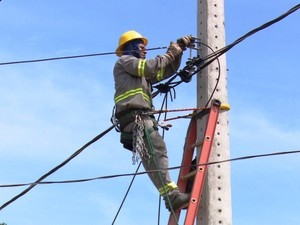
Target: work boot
(177, 199)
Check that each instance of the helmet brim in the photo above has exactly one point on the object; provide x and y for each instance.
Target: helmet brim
(119, 50)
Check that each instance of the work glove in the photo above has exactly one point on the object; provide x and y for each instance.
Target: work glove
(174, 50)
(186, 41)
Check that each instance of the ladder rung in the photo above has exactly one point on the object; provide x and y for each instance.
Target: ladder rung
(189, 175)
(197, 144)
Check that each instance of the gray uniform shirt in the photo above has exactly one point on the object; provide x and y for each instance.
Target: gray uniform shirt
(134, 78)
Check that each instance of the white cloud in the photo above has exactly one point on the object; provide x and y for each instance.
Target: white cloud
(255, 131)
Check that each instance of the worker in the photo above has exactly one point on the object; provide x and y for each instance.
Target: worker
(134, 76)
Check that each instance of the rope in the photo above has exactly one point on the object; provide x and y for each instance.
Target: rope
(165, 111)
(153, 156)
(179, 110)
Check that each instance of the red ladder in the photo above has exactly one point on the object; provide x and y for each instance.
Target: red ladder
(201, 167)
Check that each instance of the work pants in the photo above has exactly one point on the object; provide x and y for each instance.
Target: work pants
(157, 158)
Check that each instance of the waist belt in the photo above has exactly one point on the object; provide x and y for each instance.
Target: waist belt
(130, 111)
(128, 116)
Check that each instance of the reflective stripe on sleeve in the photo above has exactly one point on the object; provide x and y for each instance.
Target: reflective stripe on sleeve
(141, 67)
(160, 74)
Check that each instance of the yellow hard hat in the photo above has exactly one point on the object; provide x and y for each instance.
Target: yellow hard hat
(129, 36)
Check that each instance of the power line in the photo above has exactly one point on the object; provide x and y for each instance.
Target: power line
(67, 57)
(202, 63)
(215, 55)
(220, 52)
(126, 194)
(32, 185)
(150, 171)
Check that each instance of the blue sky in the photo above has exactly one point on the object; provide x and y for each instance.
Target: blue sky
(50, 109)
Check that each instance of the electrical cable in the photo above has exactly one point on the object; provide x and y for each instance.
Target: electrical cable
(159, 210)
(150, 171)
(126, 194)
(68, 57)
(250, 33)
(214, 56)
(165, 106)
(124, 198)
(32, 185)
(169, 85)
(218, 78)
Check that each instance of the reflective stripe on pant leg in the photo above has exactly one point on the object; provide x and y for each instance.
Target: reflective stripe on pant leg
(168, 187)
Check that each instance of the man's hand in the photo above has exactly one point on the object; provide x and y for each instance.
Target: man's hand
(186, 41)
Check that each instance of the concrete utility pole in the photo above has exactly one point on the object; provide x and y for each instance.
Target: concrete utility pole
(215, 206)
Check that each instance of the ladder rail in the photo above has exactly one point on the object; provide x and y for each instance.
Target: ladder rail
(186, 162)
(201, 167)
